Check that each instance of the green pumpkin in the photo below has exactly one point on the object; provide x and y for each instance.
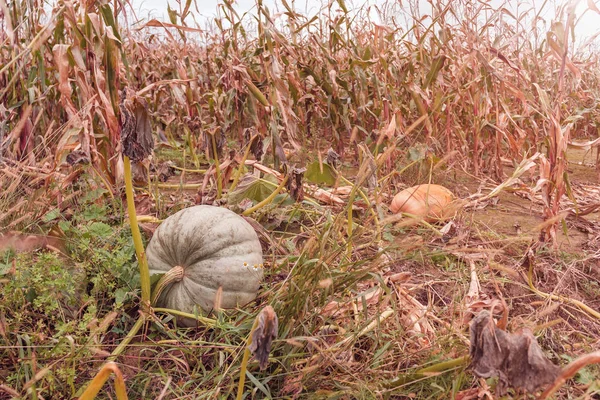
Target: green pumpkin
(216, 249)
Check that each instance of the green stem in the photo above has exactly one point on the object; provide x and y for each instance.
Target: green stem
(137, 237)
(199, 318)
(245, 358)
(134, 330)
(195, 171)
(217, 167)
(142, 262)
(428, 371)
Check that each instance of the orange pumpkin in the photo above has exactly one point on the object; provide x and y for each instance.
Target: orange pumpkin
(431, 202)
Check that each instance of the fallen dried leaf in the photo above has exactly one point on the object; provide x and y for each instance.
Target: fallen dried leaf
(263, 336)
(515, 358)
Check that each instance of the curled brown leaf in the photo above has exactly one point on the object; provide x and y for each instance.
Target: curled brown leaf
(515, 358)
(136, 128)
(295, 186)
(263, 336)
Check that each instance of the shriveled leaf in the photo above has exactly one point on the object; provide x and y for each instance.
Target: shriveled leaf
(327, 197)
(389, 131)
(164, 171)
(263, 336)
(136, 130)
(77, 157)
(515, 358)
(333, 158)
(172, 14)
(109, 19)
(257, 148)
(295, 185)
(284, 103)
(22, 128)
(60, 52)
(27, 243)
(111, 57)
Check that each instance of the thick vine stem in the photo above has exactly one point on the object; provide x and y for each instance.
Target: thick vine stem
(137, 237)
(142, 262)
(175, 274)
(129, 337)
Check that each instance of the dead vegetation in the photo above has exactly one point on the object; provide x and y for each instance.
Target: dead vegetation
(307, 125)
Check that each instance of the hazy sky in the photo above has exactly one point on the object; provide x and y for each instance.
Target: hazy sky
(589, 25)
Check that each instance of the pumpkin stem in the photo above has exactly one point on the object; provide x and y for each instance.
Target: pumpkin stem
(175, 274)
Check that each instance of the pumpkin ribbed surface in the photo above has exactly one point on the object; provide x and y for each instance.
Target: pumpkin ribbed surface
(216, 248)
(427, 201)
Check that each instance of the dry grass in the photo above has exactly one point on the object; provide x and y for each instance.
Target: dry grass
(473, 99)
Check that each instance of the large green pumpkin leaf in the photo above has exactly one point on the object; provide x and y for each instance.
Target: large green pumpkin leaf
(253, 188)
(314, 174)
